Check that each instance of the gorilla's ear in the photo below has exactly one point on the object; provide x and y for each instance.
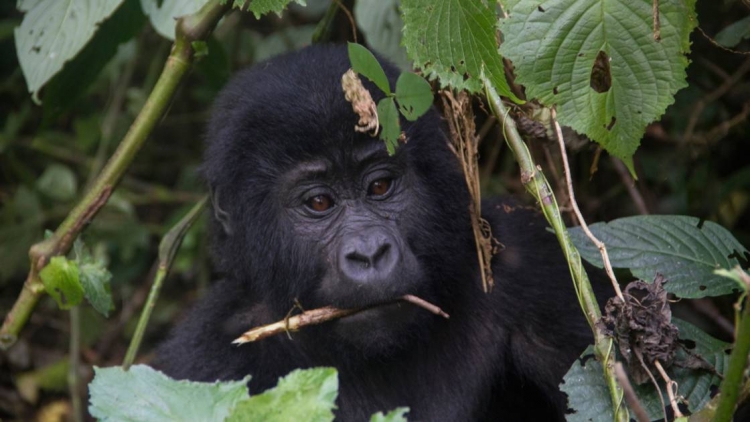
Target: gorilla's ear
(221, 216)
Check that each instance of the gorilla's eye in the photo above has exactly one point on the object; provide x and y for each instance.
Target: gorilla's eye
(319, 203)
(380, 187)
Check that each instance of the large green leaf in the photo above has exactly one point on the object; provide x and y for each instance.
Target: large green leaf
(588, 395)
(454, 41)
(677, 247)
(555, 46)
(54, 31)
(303, 395)
(143, 394)
(163, 13)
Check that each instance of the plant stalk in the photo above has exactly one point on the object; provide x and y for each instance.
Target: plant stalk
(536, 184)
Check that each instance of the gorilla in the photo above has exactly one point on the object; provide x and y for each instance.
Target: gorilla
(307, 210)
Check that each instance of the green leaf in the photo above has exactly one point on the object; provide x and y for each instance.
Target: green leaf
(732, 35)
(143, 394)
(60, 279)
(395, 415)
(163, 13)
(555, 46)
(58, 182)
(588, 394)
(381, 24)
(414, 95)
(94, 278)
(53, 32)
(365, 63)
(453, 40)
(674, 246)
(303, 395)
(389, 124)
(262, 7)
(70, 84)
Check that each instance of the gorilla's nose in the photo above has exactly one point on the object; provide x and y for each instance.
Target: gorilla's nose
(368, 257)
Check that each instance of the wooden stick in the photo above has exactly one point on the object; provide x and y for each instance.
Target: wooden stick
(321, 315)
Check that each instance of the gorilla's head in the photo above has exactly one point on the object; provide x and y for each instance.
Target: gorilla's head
(308, 209)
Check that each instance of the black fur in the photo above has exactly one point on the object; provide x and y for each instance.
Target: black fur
(500, 356)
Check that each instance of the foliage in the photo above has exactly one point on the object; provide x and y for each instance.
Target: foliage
(683, 249)
(430, 29)
(69, 280)
(638, 74)
(588, 396)
(302, 395)
(144, 394)
(413, 94)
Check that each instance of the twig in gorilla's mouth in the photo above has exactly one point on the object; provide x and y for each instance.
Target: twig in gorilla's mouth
(321, 315)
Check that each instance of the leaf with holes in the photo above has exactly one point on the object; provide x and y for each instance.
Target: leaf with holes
(678, 247)
(599, 63)
(453, 41)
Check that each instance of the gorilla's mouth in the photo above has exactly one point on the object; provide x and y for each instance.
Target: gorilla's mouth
(371, 318)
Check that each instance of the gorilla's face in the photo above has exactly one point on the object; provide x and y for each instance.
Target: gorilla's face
(309, 210)
(357, 214)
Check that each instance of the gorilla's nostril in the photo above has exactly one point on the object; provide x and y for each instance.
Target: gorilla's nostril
(382, 253)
